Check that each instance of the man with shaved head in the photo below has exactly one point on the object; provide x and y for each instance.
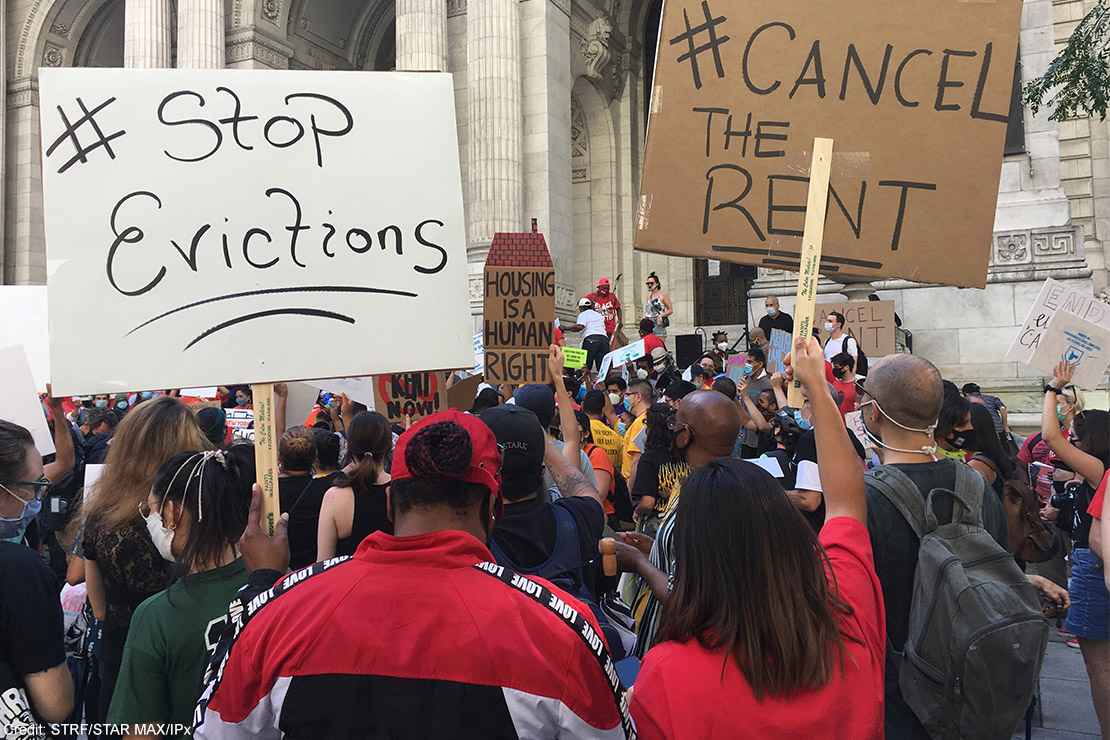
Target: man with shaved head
(901, 402)
(706, 426)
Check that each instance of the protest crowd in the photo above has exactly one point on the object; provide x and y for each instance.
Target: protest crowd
(682, 554)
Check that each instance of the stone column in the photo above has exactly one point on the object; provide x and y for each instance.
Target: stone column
(494, 192)
(200, 34)
(146, 33)
(422, 35)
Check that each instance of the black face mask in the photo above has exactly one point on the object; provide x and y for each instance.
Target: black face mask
(839, 371)
(964, 440)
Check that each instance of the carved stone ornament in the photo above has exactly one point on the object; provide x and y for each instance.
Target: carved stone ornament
(60, 28)
(595, 47)
(271, 10)
(53, 56)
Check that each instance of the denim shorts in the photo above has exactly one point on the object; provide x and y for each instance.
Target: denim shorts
(1089, 615)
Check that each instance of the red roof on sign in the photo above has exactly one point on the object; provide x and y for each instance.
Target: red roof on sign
(523, 249)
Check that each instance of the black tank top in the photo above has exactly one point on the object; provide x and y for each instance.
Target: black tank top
(369, 517)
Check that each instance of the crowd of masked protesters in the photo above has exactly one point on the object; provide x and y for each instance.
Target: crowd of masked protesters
(826, 545)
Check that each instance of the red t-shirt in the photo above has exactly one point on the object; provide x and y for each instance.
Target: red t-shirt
(847, 388)
(682, 694)
(651, 342)
(1095, 509)
(607, 305)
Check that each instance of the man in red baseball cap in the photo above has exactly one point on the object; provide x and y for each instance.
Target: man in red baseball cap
(418, 634)
(607, 304)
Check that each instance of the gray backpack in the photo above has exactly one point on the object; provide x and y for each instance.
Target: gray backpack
(976, 635)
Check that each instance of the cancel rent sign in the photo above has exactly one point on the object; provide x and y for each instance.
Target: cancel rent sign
(220, 226)
(915, 95)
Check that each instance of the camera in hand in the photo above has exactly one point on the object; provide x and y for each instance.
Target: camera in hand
(1067, 501)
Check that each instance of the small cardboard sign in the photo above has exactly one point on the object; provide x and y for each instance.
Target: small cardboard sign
(574, 358)
(871, 323)
(1054, 296)
(1082, 344)
(19, 401)
(916, 97)
(461, 395)
(410, 394)
(519, 309)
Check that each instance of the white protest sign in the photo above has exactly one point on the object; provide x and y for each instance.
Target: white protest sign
(770, 464)
(298, 404)
(219, 226)
(1054, 296)
(241, 423)
(620, 356)
(24, 310)
(1081, 343)
(19, 401)
(854, 421)
(205, 392)
(357, 389)
(479, 355)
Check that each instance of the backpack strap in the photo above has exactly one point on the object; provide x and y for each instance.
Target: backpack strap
(967, 495)
(903, 493)
(577, 623)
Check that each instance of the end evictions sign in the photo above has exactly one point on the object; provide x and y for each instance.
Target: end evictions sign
(223, 226)
(915, 95)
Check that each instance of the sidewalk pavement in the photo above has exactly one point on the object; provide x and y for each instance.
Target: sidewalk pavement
(1066, 709)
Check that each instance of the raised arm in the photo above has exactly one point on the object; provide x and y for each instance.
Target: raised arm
(1088, 466)
(64, 455)
(841, 469)
(572, 439)
(778, 385)
(568, 478)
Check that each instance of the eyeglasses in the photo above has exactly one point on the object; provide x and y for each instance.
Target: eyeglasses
(39, 485)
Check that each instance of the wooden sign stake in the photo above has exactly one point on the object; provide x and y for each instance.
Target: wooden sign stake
(812, 237)
(266, 453)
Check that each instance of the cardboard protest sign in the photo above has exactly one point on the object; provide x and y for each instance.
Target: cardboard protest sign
(24, 310)
(871, 323)
(220, 226)
(19, 402)
(1081, 343)
(410, 394)
(780, 348)
(1054, 296)
(461, 395)
(915, 96)
(519, 311)
(575, 358)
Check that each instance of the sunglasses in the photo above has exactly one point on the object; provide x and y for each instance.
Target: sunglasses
(39, 485)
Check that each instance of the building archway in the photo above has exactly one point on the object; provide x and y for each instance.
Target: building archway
(595, 188)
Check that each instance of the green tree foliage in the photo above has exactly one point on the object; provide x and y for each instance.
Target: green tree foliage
(1077, 81)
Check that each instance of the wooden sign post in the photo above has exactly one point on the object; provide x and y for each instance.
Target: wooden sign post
(266, 452)
(812, 238)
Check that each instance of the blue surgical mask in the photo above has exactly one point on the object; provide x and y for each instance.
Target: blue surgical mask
(627, 405)
(121, 405)
(747, 370)
(13, 529)
(147, 395)
(101, 403)
(802, 422)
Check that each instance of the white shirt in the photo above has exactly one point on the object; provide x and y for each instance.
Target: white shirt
(835, 346)
(593, 322)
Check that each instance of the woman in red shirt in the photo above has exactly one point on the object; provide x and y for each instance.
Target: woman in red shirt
(771, 630)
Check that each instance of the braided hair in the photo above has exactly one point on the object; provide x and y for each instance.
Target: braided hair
(438, 456)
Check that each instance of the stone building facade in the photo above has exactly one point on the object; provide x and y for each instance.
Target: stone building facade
(551, 100)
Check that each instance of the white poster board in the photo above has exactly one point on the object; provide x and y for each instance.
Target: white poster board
(1083, 344)
(620, 356)
(302, 397)
(209, 391)
(23, 308)
(780, 348)
(1054, 296)
(19, 401)
(221, 226)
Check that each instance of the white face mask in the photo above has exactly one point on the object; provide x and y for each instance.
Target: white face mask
(160, 535)
(829, 326)
(722, 346)
(641, 373)
(615, 399)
